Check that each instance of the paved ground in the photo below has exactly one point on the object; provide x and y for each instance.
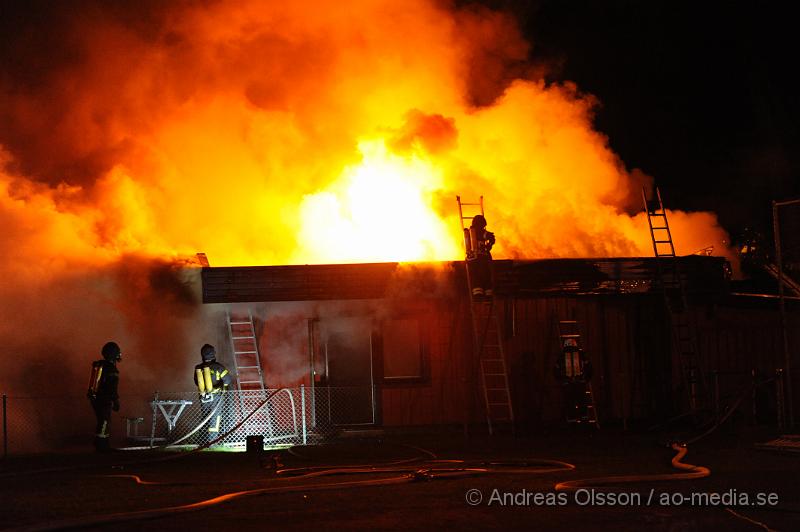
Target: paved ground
(79, 489)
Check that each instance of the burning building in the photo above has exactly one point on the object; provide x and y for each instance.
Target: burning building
(304, 134)
(411, 354)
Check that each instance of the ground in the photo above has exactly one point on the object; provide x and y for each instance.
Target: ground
(54, 491)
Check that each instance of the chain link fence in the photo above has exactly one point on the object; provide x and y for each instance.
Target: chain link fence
(283, 417)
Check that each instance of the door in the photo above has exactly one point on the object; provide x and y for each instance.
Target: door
(347, 352)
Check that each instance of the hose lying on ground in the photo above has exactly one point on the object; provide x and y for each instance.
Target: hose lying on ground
(412, 474)
(206, 445)
(157, 448)
(692, 471)
(425, 470)
(82, 522)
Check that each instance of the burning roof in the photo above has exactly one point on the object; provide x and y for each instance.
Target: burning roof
(280, 133)
(431, 280)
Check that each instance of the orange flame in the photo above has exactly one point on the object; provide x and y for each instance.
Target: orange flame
(283, 132)
(270, 134)
(378, 210)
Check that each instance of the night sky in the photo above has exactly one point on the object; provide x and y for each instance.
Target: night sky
(699, 95)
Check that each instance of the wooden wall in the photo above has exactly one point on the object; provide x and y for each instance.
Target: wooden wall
(627, 339)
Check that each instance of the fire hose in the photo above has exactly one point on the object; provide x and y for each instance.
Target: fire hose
(155, 448)
(691, 472)
(431, 469)
(425, 470)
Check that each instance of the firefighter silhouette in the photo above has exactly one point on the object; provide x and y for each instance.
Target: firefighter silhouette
(574, 370)
(212, 380)
(479, 244)
(103, 393)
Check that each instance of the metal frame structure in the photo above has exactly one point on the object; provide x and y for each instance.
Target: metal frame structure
(675, 299)
(787, 357)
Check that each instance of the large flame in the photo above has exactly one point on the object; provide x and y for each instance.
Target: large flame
(378, 209)
(283, 132)
(269, 133)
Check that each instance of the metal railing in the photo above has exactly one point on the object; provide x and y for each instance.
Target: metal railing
(183, 419)
(290, 416)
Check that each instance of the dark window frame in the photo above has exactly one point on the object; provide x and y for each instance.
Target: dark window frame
(424, 352)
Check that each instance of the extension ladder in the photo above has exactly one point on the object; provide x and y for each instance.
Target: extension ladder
(569, 330)
(249, 375)
(673, 288)
(488, 343)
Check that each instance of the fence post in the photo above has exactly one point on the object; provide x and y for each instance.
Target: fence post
(5, 427)
(153, 425)
(303, 410)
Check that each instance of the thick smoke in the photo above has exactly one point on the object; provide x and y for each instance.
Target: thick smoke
(232, 127)
(135, 134)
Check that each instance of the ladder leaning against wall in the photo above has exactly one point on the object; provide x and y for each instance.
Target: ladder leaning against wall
(487, 341)
(673, 288)
(247, 364)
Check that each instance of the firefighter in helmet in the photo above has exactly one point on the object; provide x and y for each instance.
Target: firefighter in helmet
(212, 380)
(479, 257)
(574, 370)
(103, 393)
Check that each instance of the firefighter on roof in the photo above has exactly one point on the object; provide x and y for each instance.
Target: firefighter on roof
(103, 393)
(212, 380)
(479, 257)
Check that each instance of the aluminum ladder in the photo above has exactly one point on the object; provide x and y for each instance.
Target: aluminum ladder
(673, 287)
(487, 341)
(249, 375)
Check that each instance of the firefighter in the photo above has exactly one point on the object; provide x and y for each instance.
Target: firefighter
(212, 380)
(103, 393)
(479, 257)
(574, 370)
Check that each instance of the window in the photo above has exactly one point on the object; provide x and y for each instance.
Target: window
(402, 350)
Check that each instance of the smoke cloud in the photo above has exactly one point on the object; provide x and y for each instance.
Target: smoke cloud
(135, 135)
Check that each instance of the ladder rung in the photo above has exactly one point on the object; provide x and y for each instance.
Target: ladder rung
(248, 367)
(241, 323)
(249, 382)
(570, 336)
(245, 352)
(251, 337)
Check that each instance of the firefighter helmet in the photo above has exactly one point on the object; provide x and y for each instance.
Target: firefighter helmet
(111, 351)
(479, 221)
(208, 353)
